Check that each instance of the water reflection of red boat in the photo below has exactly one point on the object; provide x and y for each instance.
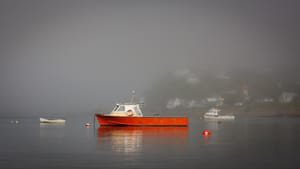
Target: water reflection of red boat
(104, 131)
(133, 138)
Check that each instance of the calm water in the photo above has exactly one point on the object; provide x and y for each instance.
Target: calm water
(242, 143)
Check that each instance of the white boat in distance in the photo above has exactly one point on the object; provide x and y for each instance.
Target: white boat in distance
(44, 120)
(213, 113)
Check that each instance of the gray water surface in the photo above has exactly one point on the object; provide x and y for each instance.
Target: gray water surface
(254, 142)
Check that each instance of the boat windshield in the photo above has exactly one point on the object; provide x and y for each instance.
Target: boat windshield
(116, 108)
(121, 108)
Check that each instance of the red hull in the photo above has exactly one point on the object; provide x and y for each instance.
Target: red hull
(141, 121)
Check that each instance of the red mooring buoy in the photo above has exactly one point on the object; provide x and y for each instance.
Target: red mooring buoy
(206, 132)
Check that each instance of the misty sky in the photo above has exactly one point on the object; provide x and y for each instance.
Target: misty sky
(80, 55)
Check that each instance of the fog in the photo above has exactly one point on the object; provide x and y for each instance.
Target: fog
(84, 56)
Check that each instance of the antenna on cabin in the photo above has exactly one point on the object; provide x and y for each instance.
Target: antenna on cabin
(133, 96)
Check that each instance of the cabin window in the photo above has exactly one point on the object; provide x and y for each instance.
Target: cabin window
(116, 108)
(121, 108)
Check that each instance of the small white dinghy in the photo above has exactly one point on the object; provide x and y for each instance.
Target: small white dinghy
(44, 120)
(213, 113)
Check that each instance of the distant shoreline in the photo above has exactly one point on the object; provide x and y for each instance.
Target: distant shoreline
(256, 110)
(265, 110)
(251, 110)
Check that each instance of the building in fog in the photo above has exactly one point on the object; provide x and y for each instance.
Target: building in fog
(287, 97)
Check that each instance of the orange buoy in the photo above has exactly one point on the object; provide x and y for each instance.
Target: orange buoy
(206, 132)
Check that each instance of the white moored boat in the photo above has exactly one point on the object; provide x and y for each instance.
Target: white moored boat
(213, 113)
(44, 120)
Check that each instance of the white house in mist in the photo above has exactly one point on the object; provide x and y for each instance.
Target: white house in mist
(287, 97)
(176, 102)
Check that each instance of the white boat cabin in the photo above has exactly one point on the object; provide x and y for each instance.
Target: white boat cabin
(213, 113)
(127, 110)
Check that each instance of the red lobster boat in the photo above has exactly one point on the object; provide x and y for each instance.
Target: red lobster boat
(130, 114)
